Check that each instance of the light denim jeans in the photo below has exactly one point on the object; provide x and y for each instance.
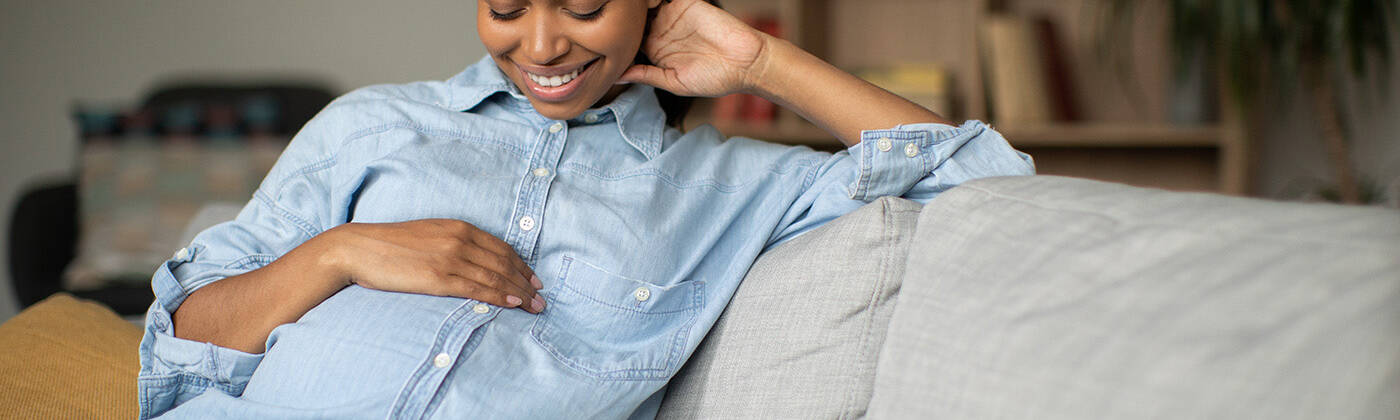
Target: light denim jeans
(640, 233)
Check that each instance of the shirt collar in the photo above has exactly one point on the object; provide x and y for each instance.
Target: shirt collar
(637, 112)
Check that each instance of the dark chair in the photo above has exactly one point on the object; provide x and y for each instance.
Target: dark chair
(43, 232)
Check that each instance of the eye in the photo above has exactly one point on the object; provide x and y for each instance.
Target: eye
(590, 15)
(506, 16)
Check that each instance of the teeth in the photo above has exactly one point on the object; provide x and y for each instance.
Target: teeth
(554, 81)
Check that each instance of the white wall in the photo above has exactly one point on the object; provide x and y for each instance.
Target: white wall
(56, 52)
(59, 51)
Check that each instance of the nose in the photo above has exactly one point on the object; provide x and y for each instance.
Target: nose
(546, 41)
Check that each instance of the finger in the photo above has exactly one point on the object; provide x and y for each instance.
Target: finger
(471, 234)
(528, 300)
(506, 266)
(500, 247)
(664, 79)
(472, 289)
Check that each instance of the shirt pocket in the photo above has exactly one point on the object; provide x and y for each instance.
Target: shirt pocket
(614, 328)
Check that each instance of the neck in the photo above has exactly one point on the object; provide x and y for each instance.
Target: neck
(611, 95)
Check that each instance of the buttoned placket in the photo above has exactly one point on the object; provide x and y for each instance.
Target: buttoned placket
(456, 338)
(532, 196)
(455, 335)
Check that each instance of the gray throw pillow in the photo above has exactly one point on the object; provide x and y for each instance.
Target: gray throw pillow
(1056, 298)
(800, 337)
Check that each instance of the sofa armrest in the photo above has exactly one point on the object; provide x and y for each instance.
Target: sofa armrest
(67, 358)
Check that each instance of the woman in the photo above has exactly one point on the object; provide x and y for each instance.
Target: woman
(528, 239)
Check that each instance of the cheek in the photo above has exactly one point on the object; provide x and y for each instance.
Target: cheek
(620, 41)
(494, 39)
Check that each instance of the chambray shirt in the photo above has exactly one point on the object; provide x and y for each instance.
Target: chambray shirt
(639, 232)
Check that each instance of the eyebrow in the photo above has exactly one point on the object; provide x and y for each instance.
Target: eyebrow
(506, 3)
(521, 3)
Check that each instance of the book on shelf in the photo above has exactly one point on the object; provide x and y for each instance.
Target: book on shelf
(1028, 80)
(926, 84)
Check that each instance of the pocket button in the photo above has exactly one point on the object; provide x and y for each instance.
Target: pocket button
(642, 294)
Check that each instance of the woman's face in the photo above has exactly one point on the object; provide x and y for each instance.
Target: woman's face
(565, 55)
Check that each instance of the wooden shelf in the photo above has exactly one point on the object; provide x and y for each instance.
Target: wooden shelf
(1111, 135)
(1130, 139)
(798, 132)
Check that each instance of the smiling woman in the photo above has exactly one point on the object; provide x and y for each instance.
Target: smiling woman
(528, 239)
(594, 44)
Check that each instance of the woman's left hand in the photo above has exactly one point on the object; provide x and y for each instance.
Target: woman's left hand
(699, 50)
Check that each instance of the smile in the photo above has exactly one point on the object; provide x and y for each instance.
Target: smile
(555, 86)
(554, 81)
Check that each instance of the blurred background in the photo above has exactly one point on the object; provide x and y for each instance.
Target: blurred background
(122, 120)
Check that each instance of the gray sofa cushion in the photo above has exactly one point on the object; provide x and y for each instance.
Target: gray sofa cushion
(1058, 298)
(800, 337)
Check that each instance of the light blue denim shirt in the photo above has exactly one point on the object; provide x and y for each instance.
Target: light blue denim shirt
(639, 232)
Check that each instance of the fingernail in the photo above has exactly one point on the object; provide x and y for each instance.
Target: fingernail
(537, 304)
(535, 280)
(514, 301)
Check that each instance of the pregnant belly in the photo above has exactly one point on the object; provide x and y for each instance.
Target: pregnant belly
(357, 348)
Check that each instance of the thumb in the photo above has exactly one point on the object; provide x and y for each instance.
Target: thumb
(650, 75)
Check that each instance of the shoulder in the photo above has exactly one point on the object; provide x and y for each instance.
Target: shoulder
(424, 92)
(388, 101)
(376, 108)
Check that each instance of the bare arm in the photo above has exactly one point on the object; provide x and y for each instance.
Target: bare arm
(840, 103)
(435, 257)
(240, 312)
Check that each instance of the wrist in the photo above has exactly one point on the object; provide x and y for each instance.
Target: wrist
(777, 65)
(758, 80)
(326, 259)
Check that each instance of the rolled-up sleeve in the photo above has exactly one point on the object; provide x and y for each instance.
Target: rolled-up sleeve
(290, 207)
(914, 161)
(173, 370)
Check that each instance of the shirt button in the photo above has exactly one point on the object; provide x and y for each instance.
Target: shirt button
(884, 144)
(557, 127)
(542, 172)
(527, 223)
(442, 360)
(182, 254)
(590, 118)
(481, 308)
(911, 150)
(642, 294)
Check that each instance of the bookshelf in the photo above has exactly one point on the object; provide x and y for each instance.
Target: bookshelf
(1123, 132)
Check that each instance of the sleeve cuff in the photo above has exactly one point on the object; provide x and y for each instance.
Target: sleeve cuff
(893, 161)
(165, 356)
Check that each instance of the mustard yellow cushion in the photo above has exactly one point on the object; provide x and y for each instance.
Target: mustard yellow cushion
(68, 358)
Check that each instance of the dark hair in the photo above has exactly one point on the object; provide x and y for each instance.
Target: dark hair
(675, 106)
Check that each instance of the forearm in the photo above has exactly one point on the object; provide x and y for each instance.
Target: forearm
(240, 312)
(838, 102)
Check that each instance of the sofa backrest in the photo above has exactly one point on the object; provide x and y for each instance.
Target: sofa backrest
(1050, 298)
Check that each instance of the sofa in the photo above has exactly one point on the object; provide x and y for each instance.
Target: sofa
(1021, 297)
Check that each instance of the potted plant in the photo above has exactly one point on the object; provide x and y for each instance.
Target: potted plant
(1257, 44)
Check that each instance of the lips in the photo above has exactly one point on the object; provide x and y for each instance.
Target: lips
(555, 84)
